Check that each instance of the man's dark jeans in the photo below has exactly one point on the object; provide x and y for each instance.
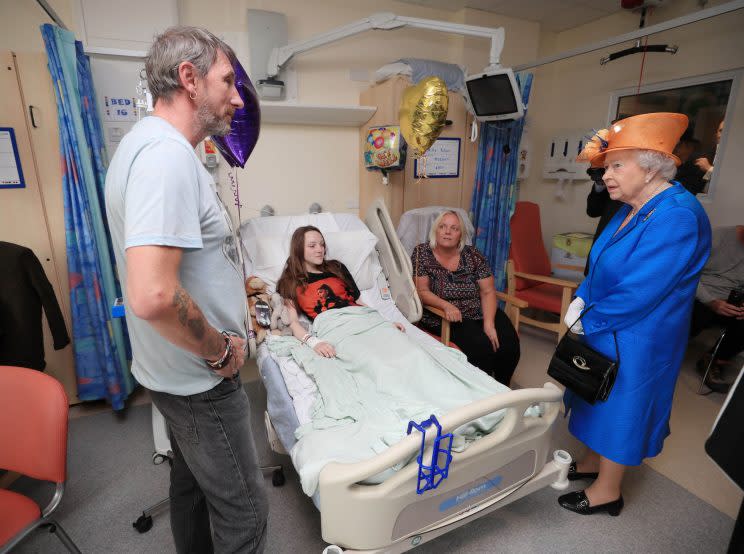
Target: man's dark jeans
(215, 476)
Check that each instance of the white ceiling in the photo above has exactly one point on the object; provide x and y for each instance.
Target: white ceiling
(553, 15)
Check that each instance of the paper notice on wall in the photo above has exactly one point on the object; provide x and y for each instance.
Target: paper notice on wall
(11, 173)
(442, 160)
(119, 109)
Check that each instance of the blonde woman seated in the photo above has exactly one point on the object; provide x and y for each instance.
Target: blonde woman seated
(457, 279)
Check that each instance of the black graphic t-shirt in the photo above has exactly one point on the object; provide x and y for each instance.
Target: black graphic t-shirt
(325, 291)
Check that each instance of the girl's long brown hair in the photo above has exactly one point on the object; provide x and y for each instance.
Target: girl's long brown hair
(294, 275)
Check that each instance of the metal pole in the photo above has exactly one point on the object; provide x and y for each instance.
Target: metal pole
(640, 33)
(51, 13)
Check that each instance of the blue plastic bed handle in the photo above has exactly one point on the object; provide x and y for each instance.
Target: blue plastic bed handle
(430, 476)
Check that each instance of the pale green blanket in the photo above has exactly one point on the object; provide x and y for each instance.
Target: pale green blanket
(378, 382)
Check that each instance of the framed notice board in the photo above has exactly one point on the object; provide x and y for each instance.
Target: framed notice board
(442, 160)
(11, 172)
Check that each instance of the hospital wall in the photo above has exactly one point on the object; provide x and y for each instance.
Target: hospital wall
(20, 21)
(574, 94)
(294, 166)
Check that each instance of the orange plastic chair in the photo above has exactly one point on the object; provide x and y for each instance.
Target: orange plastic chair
(529, 270)
(33, 442)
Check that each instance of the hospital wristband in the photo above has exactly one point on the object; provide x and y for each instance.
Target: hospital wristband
(312, 342)
(307, 336)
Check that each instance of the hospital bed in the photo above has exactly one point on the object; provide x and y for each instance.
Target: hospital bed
(360, 513)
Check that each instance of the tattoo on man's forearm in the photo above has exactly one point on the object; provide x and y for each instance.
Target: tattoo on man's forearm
(183, 302)
(192, 318)
(196, 325)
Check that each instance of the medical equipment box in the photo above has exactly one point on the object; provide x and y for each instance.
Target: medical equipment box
(569, 254)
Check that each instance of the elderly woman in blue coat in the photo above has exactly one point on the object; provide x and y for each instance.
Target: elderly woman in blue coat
(635, 302)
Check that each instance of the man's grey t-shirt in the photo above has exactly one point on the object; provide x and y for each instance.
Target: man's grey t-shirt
(724, 270)
(158, 193)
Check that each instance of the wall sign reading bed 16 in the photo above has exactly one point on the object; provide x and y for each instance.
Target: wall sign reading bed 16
(11, 172)
(442, 160)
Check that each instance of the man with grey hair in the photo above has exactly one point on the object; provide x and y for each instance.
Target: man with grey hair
(184, 293)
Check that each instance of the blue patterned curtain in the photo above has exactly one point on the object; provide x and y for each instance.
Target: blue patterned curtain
(495, 190)
(100, 342)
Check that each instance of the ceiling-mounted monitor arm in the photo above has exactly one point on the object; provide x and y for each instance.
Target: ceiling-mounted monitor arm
(385, 21)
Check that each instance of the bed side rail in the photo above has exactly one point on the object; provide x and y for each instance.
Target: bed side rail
(394, 260)
(335, 475)
(495, 470)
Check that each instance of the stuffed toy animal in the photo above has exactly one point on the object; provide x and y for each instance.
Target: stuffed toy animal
(279, 316)
(260, 331)
(255, 290)
(254, 285)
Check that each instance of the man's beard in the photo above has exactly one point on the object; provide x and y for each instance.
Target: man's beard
(210, 123)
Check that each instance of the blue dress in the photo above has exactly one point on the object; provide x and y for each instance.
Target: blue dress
(641, 287)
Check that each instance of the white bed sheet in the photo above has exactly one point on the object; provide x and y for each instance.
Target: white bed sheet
(302, 389)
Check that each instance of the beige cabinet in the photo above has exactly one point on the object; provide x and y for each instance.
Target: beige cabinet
(403, 191)
(34, 216)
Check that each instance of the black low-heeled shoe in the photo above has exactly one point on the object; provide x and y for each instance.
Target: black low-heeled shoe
(574, 475)
(578, 502)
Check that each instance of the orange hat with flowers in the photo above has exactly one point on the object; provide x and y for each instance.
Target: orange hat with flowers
(659, 131)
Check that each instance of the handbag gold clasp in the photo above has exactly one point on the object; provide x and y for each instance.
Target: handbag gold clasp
(580, 362)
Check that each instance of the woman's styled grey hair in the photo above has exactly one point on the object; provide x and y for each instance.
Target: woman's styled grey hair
(663, 165)
(463, 230)
(176, 45)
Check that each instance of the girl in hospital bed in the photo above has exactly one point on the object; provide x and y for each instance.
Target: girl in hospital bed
(371, 379)
(313, 285)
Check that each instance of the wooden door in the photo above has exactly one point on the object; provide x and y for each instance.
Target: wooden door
(33, 216)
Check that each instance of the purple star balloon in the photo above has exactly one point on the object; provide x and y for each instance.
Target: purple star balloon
(236, 146)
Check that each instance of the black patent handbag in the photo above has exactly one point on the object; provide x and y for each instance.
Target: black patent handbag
(581, 369)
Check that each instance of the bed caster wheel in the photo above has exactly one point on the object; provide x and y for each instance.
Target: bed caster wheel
(158, 458)
(143, 523)
(277, 478)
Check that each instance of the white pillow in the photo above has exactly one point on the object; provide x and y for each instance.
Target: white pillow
(353, 249)
(269, 254)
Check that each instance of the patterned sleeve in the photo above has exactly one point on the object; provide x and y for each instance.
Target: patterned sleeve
(481, 268)
(418, 261)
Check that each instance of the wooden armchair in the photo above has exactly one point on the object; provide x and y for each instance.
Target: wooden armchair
(512, 310)
(529, 271)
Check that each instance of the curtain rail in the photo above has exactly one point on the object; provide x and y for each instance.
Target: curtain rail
(640, 33)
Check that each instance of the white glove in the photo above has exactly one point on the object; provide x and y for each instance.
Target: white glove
(573, 313)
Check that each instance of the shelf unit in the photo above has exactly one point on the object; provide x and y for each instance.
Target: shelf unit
(309, 114)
